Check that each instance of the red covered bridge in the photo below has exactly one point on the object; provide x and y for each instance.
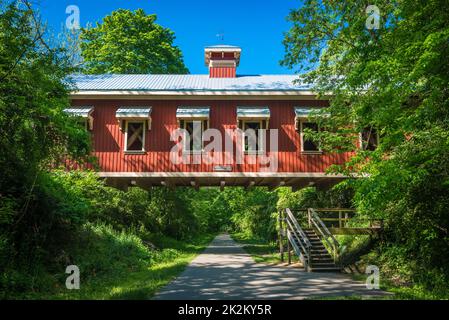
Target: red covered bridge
(132, 117)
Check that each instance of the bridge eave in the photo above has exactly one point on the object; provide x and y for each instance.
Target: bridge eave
(294, 180)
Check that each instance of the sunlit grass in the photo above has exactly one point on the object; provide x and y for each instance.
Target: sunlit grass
(261, 250)
(138, 283)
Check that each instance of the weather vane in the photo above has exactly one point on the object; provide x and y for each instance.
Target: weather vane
(221, 36)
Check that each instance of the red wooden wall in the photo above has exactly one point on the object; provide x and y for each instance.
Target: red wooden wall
(222, 72)
(108, 139)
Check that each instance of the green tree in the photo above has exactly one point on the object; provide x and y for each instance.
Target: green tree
(394, 79)
(35, 134)
(130, 42)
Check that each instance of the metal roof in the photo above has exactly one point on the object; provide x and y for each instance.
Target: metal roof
(82, 112)
(253, 112)
(180, 83)
(192, 112)
(134, 112)
(223, 46)
(307, 111)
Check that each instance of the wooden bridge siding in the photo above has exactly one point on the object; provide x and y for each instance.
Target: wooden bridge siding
(108, 140)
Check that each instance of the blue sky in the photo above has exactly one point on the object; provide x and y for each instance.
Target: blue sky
(256, 26)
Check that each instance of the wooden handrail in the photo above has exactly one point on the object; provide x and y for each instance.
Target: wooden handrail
(298, 227)
(304, 259)
(324, 231)
(328, 210)
(302, 239)
(305, 246)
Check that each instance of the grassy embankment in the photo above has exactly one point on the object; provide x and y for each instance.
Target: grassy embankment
(117, 265)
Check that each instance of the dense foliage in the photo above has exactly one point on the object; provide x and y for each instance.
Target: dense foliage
(34, 134)
(393, 79)
(130, 42)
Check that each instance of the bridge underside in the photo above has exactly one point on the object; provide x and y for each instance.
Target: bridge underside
(213, 179)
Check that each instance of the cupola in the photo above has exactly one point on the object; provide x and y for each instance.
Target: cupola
(222, 60)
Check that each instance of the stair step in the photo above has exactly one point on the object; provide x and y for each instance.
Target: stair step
(326, 261)
(325, 269)
(321, 255)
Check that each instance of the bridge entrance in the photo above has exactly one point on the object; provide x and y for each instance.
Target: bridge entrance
(311, 235)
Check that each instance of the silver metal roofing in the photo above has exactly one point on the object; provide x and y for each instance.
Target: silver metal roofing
(134, 112)
(223, 46)
(82, 112)
(253, 112)
(307, 111)
(193, 112)
(155, 83)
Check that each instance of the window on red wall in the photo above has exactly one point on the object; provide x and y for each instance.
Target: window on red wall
(369, 139)
(308, 145)
(191, 144)
(135, 136)
(251, 146)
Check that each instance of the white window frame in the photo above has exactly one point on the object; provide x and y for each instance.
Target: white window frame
(203, 129)
(85, 123)
(301, 131)
(361, 147)
(260, 150)
(88, 121)
(143, 134)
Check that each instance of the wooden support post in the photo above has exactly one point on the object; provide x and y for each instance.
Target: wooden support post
(167, 184)
(289, 251)
(339, 219)
(194, 184)
(309, 215)
(281, 241)
(222, 185)
(250, 185)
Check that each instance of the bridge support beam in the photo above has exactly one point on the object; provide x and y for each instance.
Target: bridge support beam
(195, 184)
(250, 185)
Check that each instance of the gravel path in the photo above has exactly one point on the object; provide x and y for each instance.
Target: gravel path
(225, 271)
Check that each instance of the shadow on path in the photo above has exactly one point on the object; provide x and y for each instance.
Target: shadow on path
(225, 271)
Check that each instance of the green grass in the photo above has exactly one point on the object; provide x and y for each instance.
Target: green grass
(402, 292)
(260, 250)
(396, 292)
(120, 266)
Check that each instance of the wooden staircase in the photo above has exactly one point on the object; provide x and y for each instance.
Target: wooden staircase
(320, 259)
(307, 244)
